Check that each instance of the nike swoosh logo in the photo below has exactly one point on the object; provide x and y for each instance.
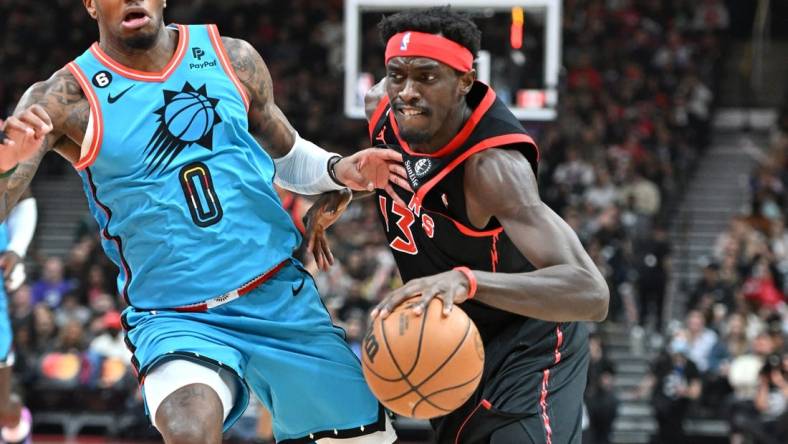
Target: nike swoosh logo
(298, 289)
(111, 99)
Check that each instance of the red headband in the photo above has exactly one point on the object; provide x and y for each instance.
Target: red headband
(419, 44)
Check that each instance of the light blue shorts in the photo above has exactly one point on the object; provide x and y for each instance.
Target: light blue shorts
(279, 341)
(6, 334)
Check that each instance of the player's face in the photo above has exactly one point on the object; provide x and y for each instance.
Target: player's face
(423, 94)
(136, 23)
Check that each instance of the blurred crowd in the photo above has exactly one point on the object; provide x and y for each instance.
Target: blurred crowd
(636, 99)
(729, 358)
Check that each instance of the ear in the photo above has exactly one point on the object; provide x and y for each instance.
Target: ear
(90, 5)
(466, 82)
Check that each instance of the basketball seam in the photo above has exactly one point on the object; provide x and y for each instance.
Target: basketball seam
(421, 341)
(399, 369)
(440, 367)
(446, 390)
(376, 374)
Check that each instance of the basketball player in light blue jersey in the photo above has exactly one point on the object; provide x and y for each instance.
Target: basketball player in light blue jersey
(178, 141)
(15, 237)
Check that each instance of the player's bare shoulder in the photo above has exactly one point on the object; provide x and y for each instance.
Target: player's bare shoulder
(250, 69)
(499, 181)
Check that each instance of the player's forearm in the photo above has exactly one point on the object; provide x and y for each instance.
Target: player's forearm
(560, 293)
(14, 187)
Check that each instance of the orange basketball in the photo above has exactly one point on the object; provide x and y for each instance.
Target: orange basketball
(423, 366)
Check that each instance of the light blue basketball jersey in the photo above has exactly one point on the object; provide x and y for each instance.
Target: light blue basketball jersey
(6, 334)
(182, 192)
(3, 237)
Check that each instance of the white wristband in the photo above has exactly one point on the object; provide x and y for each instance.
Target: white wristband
(304, 170)
(21, 226)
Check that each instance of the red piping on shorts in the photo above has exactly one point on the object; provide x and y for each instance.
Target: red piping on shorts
(545, 380)
(486, 404)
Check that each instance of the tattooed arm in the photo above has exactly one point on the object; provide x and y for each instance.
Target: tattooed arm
(364, 170)
(50, 115)
(267, 123)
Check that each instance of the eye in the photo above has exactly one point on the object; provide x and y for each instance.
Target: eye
(395, 76)
(429, 77)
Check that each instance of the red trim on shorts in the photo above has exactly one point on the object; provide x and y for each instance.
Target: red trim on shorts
(243, 290)
(221, 51)
(143, 76)
(95, 111)
(261, 279)
(545, 380)
(373, 121)
(460, 137)
(484, 403)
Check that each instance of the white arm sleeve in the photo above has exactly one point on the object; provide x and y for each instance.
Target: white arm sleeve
(21, 226)
(304, 170)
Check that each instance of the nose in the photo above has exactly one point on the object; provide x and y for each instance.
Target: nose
(409, 93)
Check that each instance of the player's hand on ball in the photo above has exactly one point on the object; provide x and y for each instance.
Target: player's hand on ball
(451, 287)
(321, 215)
(24, 134)
(373, 168)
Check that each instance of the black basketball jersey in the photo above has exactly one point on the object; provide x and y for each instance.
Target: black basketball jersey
(433, 234)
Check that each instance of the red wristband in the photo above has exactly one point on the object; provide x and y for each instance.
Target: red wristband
(471, 280)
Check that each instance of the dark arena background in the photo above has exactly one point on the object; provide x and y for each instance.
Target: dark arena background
(663, 130)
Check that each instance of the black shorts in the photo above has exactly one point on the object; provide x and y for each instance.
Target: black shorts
(530, 393)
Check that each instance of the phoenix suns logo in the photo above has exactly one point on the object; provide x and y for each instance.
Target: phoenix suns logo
(187, 118)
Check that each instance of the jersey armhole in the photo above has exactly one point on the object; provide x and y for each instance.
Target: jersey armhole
(224, 59)
(96, 119)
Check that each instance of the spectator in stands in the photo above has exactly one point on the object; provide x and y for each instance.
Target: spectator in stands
(700, 340)
(711, 290)
(44, 329)
(21, 309)
(109, 342)
(674, 382)
(761, 288)
(653, 268)
(603, 193)
(600, 399)
(765, 419)
(71, 338)
(53, 286)
(574, 173)
(71, 310)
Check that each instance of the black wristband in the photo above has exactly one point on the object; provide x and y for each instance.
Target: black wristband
(331, 173)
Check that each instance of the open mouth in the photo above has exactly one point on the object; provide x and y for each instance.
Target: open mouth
(135, 19)
(411, 112)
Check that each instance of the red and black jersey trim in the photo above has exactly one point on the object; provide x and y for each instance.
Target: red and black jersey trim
(460, 138)
(106, 234)
(492, 142)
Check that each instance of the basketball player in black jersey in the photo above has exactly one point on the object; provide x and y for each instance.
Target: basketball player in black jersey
(476, 233)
